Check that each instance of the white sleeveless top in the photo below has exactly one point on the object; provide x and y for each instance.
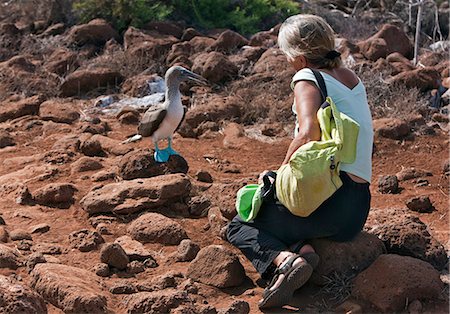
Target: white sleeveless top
(352, 102)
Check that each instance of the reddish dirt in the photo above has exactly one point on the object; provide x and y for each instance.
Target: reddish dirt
(251, 157)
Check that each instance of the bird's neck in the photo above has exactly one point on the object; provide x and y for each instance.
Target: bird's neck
(173, 94)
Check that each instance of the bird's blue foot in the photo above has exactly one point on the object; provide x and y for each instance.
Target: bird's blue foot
(170, 151)
(161, 155)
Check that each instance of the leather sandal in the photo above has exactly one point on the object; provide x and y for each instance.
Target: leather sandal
(294, 277)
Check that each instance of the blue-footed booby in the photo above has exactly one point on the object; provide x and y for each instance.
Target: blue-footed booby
(161, 121)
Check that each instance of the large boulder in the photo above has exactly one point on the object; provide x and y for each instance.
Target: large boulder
(99, 145)
(423, 79)
(95, 32)
(6, 139)
(114, 255)
(9, 258)
(71, 289)
(85, 240)
(392, 281)
(86, 164)
(62, 61)
(60, 112)
(136, 195)
(156, 228)
(217, 266)
(55, 194)
(133, 249)
(15, 109)
(387, 40)
(84, 80)
(271, 60)
(229, 41)
(404, 234)
(391, 128)
(215, 67)
(142, 164)
(345, 258)
(215, 110)
(17, 298)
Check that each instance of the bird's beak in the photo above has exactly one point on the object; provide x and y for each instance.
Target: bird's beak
(196, 78)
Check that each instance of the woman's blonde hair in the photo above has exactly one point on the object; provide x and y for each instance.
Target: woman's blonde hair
(309, 36)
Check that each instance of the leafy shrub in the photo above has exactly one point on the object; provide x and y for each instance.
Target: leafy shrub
(122, 13)
(244, 16)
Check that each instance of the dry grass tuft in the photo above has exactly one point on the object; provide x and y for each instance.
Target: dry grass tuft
(389, 100)
(338, 286)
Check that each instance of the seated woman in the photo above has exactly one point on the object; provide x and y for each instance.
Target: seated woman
(276, 240)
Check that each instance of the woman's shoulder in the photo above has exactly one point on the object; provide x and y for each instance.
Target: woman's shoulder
(304, 74)
(345, 76)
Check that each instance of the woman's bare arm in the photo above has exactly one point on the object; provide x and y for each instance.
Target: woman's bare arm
(307, 103)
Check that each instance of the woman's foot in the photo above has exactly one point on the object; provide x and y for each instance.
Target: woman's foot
(308, 253)
(290, 275)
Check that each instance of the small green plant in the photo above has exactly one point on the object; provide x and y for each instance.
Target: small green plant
(122, 13)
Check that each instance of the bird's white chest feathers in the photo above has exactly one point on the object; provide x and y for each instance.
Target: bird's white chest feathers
(171, 121)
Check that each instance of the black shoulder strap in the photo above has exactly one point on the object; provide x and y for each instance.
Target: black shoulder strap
(321, 82)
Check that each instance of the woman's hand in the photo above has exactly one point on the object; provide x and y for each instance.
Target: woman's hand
(261, 175)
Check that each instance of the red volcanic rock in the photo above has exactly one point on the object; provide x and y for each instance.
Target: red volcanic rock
(136, 195)
(421, 204)
(71, 289)
(391, 128)
(141, 164)
(271, 60)
(9, 258)
(217, 109)
(387, 40)
(217, 266)
(85, 240)
(157, 301)
(15, 109)
(95, 32)
(62, 61)
(405, 234)
(54, 194)
(388, 184)
(215, 67)
(423, 79)
(190, 33)
(15, 297)
(84, 80)
(349, 257)
(229, 41)
(156, 228)
(58, 112)
(114, 255)
(393, 280)
(6, 139)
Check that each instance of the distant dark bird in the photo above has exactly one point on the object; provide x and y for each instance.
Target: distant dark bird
(161, 121)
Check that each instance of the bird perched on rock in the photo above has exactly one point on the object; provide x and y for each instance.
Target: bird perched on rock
(161, 121)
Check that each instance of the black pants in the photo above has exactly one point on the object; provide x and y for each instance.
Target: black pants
(275, 229)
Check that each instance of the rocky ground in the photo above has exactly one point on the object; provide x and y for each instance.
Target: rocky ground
(89, 224)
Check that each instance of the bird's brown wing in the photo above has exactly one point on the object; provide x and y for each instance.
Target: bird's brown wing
(151, 120)
(182, 119)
